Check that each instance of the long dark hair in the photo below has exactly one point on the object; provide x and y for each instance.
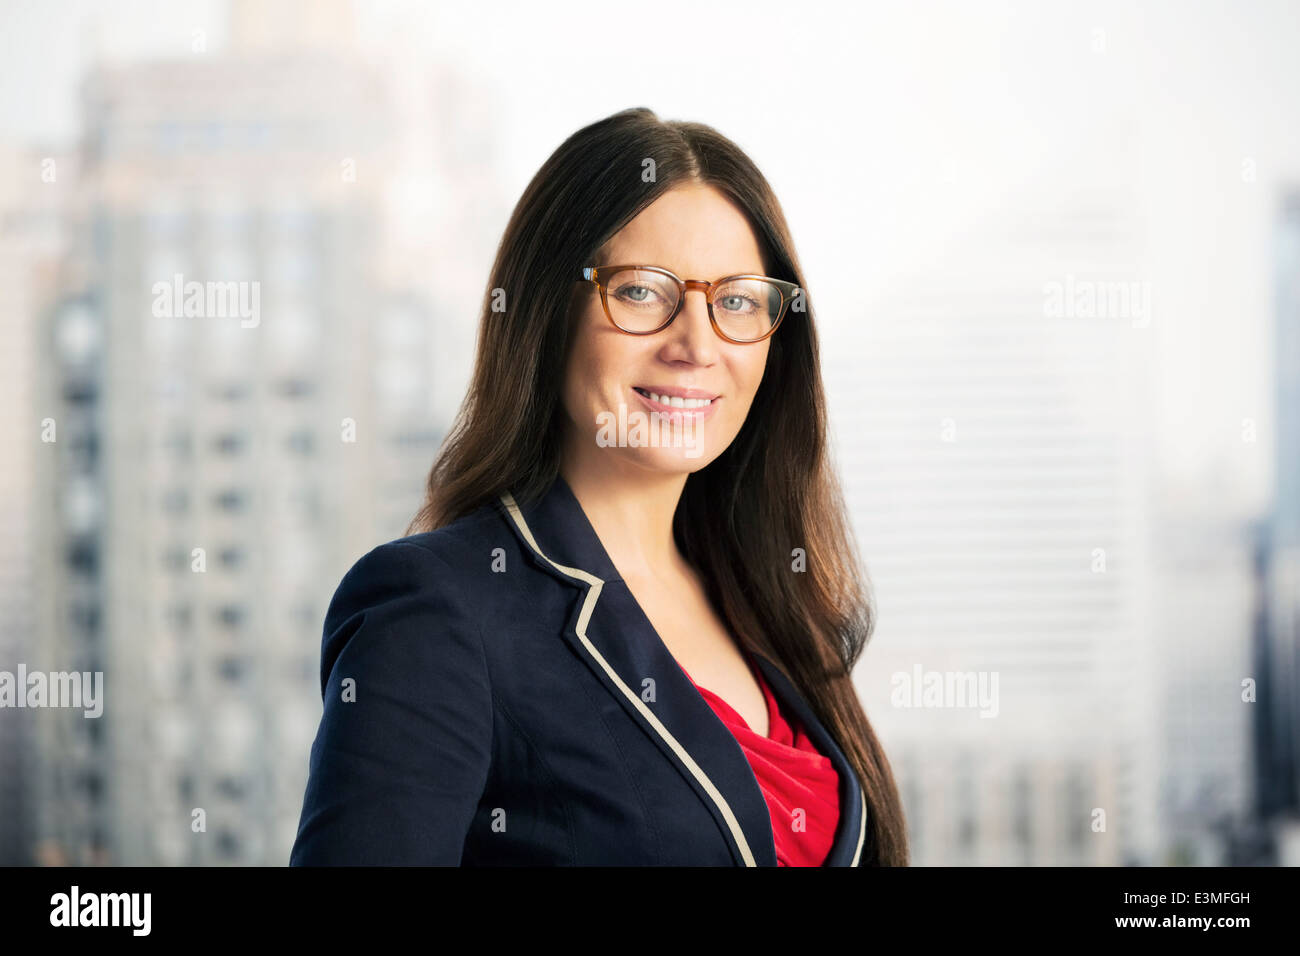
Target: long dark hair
(740, 519)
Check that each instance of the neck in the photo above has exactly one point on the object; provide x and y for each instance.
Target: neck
(631, 509)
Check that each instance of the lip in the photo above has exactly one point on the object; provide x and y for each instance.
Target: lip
(677, 415)
(675, 391)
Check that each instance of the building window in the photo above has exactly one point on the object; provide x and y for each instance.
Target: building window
(232, 499)
(80, 391)
(229, 443)
(232, 788)
(231, 669)
(83, 555)
(93, 784)
(301, 441)
(1077, 816)
(294, 387)
(231, 616)
(85, 450)
(231, 391)
(85, 617)
(227, 844)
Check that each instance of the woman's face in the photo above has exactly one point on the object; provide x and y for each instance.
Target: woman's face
(695, 232)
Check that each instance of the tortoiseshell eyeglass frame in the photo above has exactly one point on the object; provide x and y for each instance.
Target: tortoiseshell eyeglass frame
(787, 290)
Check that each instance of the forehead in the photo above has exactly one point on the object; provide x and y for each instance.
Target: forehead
(692, 230)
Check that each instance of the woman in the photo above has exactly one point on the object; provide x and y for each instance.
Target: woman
(620, 631)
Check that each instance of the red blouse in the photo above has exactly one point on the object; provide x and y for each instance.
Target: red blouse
(792, 774)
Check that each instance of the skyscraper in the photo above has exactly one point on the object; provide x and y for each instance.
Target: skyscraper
(997, 465)
(1278, 652)
(253, 392)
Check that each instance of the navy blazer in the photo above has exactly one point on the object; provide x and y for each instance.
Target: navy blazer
(494, 695)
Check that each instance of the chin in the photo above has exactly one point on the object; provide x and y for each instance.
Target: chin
(673, 460)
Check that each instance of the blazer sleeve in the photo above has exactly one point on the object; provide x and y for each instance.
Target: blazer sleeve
(403, 750)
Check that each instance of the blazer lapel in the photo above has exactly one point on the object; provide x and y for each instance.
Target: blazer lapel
(611, 633)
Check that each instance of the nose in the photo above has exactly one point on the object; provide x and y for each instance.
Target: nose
(692, 332)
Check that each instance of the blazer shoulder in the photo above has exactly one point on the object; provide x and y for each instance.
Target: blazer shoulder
(404, 746)
(456, 549)
(461, 543)
(411, 582)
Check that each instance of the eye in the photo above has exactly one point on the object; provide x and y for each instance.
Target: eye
(635, 293)
(737, 303)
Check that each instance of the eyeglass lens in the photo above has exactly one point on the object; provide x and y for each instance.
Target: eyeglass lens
(641, 301)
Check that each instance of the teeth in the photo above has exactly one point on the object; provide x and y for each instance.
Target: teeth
(677, 402)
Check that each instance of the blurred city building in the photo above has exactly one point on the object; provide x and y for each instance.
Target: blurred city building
(1277, 647)
(221, 460)
(999, 458)
(1204, 611)
(34, 195)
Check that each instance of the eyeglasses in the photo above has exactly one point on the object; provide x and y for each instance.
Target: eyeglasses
(642, 300)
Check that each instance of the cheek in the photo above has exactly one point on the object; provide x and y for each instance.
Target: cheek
(596, 361)
(749, 370)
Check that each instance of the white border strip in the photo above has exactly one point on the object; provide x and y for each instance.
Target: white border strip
(589, 605)
(862, 825)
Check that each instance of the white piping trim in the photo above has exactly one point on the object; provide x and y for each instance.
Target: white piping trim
(589, 605)
(862, 826)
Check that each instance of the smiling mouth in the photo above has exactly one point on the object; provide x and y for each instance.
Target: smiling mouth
(674, 401)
